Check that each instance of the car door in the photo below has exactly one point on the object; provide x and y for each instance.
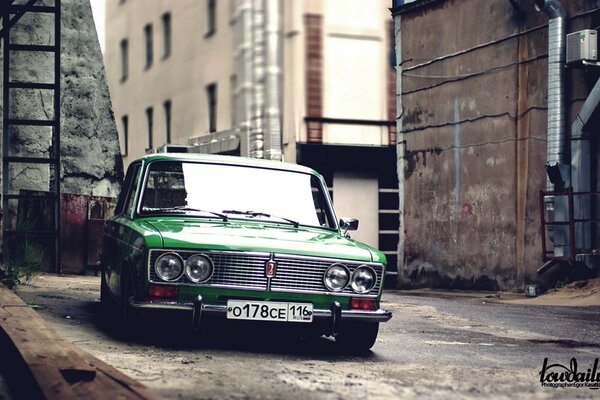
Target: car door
(115, 235)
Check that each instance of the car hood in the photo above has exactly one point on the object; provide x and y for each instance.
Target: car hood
(262, 237)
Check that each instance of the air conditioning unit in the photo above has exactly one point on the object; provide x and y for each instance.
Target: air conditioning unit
(582, 46)
(172, 148)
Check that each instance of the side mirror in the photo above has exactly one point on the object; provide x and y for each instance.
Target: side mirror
(348, 224)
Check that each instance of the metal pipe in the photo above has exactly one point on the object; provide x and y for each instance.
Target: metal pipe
(557, 148)
(243, 65)
(273, 78)
(257, 130)
(400, 151)
(581, 179)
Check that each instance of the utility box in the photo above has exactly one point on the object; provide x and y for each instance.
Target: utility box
(582, 46)
(172, 148)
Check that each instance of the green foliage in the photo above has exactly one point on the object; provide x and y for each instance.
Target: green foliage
(27, 260)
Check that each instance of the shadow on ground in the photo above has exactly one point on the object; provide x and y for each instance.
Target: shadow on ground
(173, 331)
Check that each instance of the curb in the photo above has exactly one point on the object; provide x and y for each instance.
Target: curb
(38, 363)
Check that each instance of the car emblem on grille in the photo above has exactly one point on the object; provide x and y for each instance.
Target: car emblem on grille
(271, 269)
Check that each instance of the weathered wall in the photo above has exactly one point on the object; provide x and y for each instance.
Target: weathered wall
(474, 96)
(91, 161)
(91, 164)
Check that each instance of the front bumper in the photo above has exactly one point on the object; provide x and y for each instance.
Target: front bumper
(335, 315)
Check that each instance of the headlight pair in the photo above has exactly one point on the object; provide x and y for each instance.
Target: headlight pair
(169, 267)
(362, 280)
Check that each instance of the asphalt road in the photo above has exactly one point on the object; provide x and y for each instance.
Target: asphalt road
(435, 346)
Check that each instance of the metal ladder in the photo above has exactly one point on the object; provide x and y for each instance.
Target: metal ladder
(11, 14)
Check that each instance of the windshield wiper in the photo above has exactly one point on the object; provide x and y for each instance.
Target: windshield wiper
(261, 214)
(185, 208)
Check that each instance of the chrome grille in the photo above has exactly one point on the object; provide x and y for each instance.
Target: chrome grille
(304, 274)
(247, 270)
(231, 269)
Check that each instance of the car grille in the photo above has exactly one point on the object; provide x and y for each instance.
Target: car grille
(247, 271)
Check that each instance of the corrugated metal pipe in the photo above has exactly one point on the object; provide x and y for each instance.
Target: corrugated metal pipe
(273, 78)
(557, 151)
(257, 131)
(557, 164)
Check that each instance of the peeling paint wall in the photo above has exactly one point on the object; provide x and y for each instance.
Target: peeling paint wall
(474, 95)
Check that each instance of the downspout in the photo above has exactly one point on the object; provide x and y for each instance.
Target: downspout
(273, 78)
(557, 150)
(402, 277)
(243, 65)
(257, 130)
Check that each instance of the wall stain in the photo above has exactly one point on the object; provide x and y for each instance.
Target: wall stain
(412, 157)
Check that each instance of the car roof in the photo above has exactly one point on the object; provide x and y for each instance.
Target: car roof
(228, 160)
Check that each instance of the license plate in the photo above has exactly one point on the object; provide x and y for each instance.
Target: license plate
(269, 311)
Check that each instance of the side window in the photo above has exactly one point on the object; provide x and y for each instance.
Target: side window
(165, 186)
(320, 203)
(133, 191)
(125, 201)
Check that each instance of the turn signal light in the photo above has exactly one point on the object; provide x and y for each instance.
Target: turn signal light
(162, 291)
(363, 304)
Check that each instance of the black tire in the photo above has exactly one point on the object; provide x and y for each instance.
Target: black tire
(128, 317)
(107, 304)
(357, 336)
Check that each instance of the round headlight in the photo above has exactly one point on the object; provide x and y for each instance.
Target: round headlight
(168, 267)
(336, 277)
(198, 268)
(363, 279)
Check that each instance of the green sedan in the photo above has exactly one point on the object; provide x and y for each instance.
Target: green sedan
(239, 240)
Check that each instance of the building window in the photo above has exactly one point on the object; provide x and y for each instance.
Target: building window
(211, 17)
(149, 112)
(211, 94)
(167, 106)
(234, 107)
(166, 21)
(124, 59)
(313, 25)
(125, 123)
(148, 36)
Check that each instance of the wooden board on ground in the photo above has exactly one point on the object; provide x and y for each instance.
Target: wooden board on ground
(52, 368)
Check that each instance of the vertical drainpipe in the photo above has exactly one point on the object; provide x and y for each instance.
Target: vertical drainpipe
(273, 78)
(401, 144)
(257, 130)
(243, 66)
(557, 150)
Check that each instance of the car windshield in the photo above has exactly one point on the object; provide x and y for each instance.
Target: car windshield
(235, 192)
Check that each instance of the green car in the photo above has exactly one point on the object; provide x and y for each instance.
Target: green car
(239, 239)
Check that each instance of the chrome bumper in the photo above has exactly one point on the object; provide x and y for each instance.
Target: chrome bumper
(335, 314)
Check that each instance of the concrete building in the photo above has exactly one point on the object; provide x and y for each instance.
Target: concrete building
(42, 98)
(302, 81)
(486, 102)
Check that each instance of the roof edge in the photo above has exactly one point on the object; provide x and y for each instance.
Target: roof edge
(398, 9)
(228, 160)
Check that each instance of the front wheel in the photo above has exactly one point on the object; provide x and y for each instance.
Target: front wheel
(107, 304)
(357, 336)
(128, 317)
